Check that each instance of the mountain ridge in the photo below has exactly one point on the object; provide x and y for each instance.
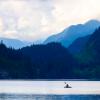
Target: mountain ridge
(14, 43)
(73, 32)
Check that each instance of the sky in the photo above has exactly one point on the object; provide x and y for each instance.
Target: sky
(33, 20)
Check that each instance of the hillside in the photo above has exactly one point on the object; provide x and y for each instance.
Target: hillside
(73, 32)
(89, 57)
(36, 62)
(78, 45)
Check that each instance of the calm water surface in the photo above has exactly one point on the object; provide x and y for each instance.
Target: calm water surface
(49, 90)
(50, 87)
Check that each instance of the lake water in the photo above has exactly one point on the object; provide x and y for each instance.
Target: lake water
(49, 90)
(50, 87)
(48, 97)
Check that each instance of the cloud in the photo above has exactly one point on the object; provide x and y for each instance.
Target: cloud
(36, 19)
(1, 24)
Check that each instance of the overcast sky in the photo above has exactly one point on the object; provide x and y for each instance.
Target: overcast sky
(36, 19)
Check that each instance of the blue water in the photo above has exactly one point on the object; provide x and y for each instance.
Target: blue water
(48, 97)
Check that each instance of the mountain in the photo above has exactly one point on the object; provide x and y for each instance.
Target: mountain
(73, 32)
(78, 44)
(53, 60)
(14, 65)
(14, 43)
(49, 61)
(92, 48)
(89, 57)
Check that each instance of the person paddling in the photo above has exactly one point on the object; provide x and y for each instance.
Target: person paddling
(67, 86)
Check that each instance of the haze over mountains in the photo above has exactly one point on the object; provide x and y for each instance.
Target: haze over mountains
(14, 43)
(65, 38)
(51, 61)
(73, 32)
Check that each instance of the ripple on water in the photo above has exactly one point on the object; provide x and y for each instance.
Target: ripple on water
(48, 97)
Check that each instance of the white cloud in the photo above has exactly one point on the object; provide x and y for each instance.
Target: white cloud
(1, 24)
(37, 19)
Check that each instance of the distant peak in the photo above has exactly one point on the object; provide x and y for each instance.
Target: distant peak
(93, 21)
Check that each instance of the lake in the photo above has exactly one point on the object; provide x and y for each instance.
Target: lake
(48, 97)
(49, 90)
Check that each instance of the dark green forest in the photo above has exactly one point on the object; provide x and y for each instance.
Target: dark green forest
(51, 61)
